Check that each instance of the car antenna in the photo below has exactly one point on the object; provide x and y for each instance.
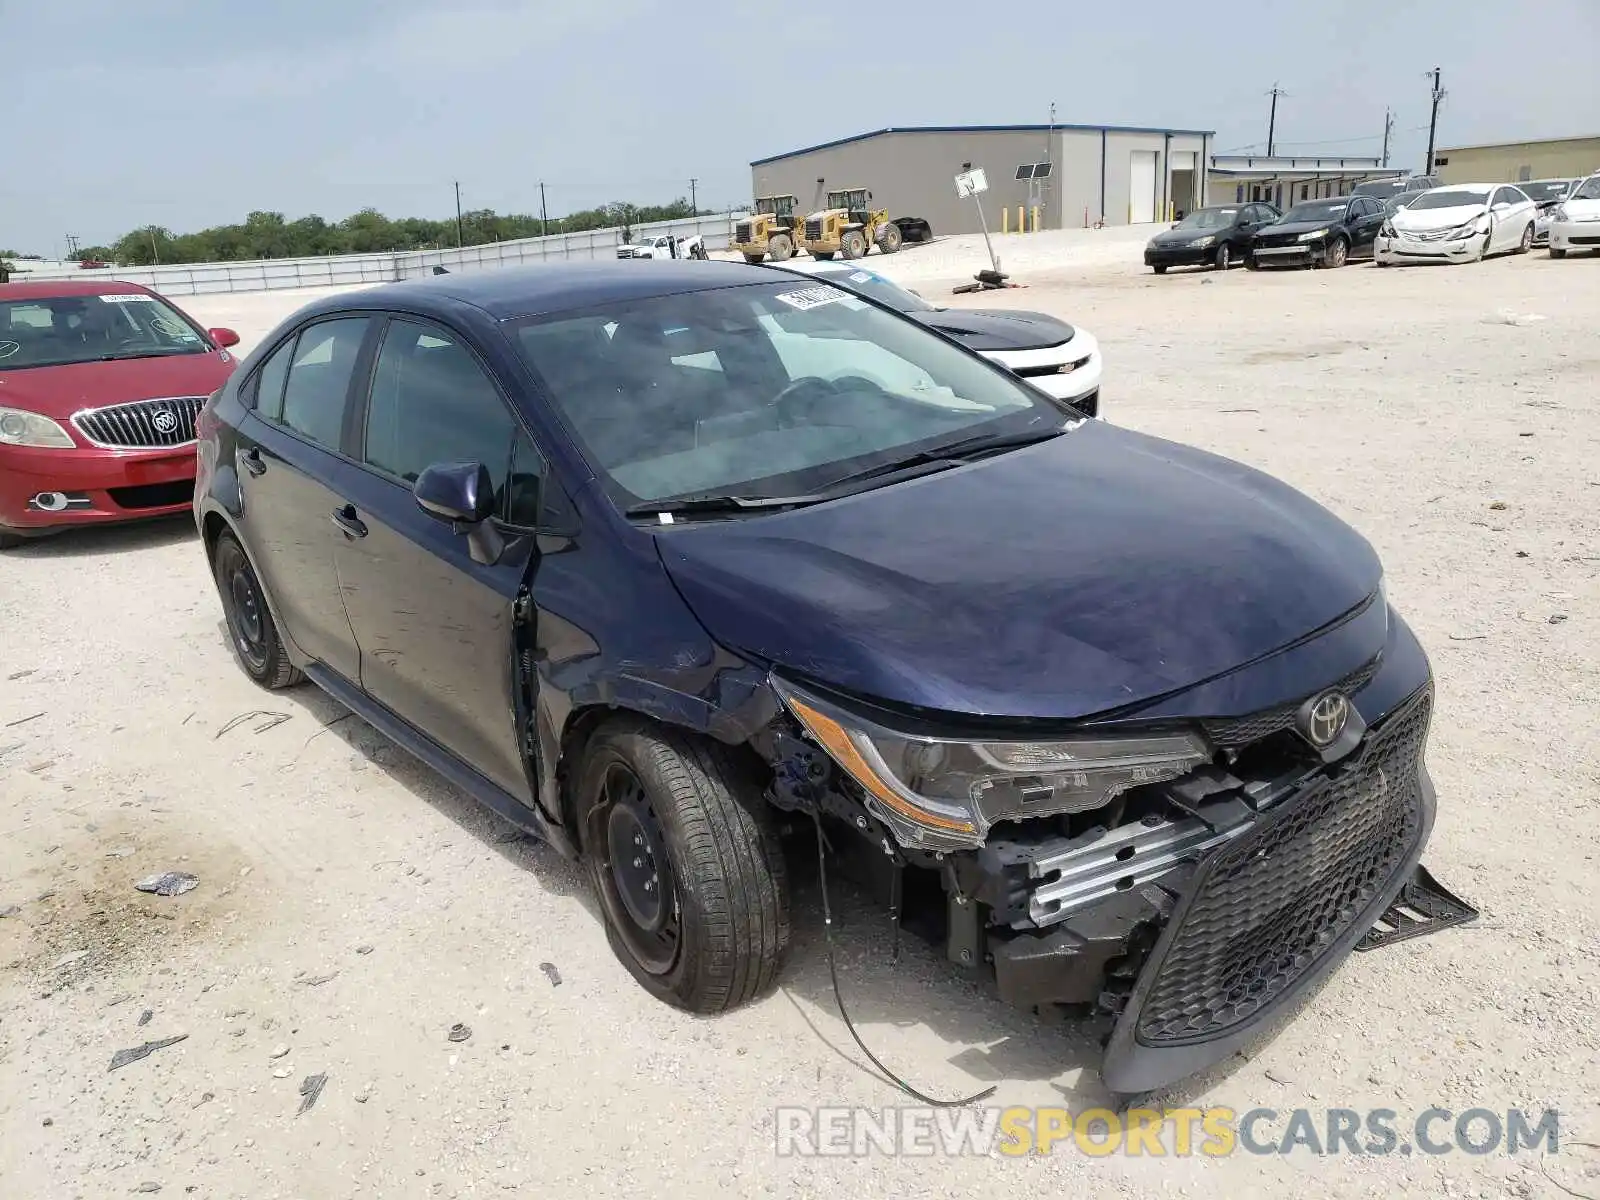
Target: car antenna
(833, 974)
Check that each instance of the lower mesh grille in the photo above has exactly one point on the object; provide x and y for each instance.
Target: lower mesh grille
(1270, 903)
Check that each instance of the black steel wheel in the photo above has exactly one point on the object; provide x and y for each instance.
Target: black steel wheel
(251, 629)
(680, 850)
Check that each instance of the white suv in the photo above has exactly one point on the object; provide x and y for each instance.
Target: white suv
(1575, 222)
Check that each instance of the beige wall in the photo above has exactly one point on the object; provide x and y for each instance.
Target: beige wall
(913, 174)
(1506, 163)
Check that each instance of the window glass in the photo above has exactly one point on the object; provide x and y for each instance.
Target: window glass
(268, 386)
(815, 384)
(432, 403)
(53, 331)
(323, 361)
(522, 496)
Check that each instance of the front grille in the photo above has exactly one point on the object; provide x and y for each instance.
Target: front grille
(1585, 239)
(143, 425)
(1229, 733)
(813, 231)
(154, 495)
(1268, 905)
(741, 232)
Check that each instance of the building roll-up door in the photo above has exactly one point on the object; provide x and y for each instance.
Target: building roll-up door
(1142, 187)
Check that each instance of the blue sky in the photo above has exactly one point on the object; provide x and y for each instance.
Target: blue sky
(188, 114)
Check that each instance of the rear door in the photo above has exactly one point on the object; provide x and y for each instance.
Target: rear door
(435, 628)
(290, 457)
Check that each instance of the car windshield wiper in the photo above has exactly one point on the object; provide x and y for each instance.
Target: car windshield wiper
(148, 352)
(952, 453)
(716, 503)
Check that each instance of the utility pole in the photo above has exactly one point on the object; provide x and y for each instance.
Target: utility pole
(544, 213)
(460, 240)
(155, 254)
(694, 200)
(1388, 128)
(1272, 120)
(1433, 121)
(1050, 138)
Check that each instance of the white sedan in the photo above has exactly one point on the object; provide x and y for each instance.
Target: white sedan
(1059, 359)
(1575, 222)
(1461, 222)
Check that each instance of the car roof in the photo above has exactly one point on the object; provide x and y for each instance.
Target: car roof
(554, 287)
(43, 289)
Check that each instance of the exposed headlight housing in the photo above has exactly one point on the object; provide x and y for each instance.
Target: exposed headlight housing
(1558, 213)
(1312, 236)
(940, 793)
(1387, 230)
(19, 427)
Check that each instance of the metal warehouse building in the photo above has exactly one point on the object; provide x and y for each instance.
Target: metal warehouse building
(1511, 162)
(1110, 173)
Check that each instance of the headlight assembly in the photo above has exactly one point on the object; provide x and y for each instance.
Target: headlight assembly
(1203, 242)
(1314, 235)
(945, 793)
(18, 427)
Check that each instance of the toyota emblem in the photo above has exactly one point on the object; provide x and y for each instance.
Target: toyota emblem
(1325, 719)
(165, 421)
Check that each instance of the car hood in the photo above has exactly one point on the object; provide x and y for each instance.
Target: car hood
(1430, 219)
(1182, 237)
(997, 329)
(58, 392)
(1084, 574)
(1294, 228)
(1582, 210)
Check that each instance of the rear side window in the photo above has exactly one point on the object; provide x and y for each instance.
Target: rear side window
(320, 366)
(269, 383)
(432, 402)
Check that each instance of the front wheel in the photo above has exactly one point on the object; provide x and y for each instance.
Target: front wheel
(1336, 254)
(256, 642)
(889, 239)
(1526, 243)
(1557, 252)
(853, 244)
(683, 857)
(1159, 270)
(1224, 257)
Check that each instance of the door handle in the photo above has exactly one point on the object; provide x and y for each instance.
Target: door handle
(252, 461)
(347, 521)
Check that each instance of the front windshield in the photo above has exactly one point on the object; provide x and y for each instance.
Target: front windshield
(50, 331)
(1589, 189)
(1449, 198)
(1539, 190)
(771, 389)
(1324, 210)
(1380, 187)
(1208, 218)
(876, 287)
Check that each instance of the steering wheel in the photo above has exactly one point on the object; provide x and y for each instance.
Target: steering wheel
(793, 403)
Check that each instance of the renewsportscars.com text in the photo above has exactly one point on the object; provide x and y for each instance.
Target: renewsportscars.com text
(1157, 1133)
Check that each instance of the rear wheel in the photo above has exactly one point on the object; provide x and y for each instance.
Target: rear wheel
(1223, 258)
(780, 248)
(1556, 252)
(687, 868)
(755, 258)
(824, 255)
(889, 238)
(853, 244)
(256, 641)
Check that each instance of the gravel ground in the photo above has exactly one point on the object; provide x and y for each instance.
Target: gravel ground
(352, 907)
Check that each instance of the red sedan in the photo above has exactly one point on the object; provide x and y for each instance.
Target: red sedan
(99, 386)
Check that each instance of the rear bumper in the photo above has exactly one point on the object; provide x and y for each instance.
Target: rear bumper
(1575, 235)
(98, 485)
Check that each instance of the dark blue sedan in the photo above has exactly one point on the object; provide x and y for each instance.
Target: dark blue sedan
(661, 562)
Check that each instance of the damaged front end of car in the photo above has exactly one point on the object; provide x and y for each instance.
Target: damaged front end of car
(1184, 880)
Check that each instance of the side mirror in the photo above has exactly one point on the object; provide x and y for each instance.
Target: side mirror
(224, 337)
(462, 494)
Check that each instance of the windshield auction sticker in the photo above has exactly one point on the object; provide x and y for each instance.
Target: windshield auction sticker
(129, 298)
(811, 297)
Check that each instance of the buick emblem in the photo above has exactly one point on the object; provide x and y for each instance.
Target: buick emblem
(1325, 719)
(165, 421)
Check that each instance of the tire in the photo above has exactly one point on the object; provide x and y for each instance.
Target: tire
(1159, 270)
(1223, 258)
(823, 255)
(853, 244)
(9, 540)
(1336, 255)
(1250, 262)
(890, 238)
(685, 814)
(755, 258)
(1556, 252)
(1526, 243)
(780, 248)
(251, 630)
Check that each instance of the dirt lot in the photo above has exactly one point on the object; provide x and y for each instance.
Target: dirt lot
(353, 907)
